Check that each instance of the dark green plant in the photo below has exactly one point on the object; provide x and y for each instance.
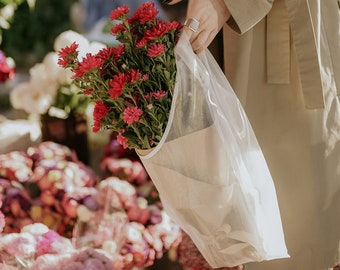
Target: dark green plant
(33, 31)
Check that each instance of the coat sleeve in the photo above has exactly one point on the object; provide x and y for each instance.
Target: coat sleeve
(247, 13)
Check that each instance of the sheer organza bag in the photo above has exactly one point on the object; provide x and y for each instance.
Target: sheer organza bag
(210, 171)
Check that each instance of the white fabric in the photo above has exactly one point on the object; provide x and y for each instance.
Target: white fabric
(301, 146)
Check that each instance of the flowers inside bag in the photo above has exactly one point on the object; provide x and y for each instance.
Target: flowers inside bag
(179, 112)
(210, 171)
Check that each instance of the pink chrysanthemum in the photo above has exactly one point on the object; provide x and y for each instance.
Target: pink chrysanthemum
(99, 112)
(122, 140)
(119, 12)
(117, 85)
(67, 55)
(155, 50)
(89, 62)
(146, 12)
(132, 115)
(117, 29)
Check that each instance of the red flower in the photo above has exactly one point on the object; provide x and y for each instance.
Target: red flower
(119, 27)
(146, 12)
(105, 54)
(156, 95)
(155, 50)
(174, 25)
(6, 72)
(89, 62)
(67, 55)
(119, 12)
(131, 115)
(158, 31)
(141, 43)
(100, 110)
(96, 125)
(118, 51)
(122, 140)
(134, 75)
(117, 85)
(159, 94)
(88, 92)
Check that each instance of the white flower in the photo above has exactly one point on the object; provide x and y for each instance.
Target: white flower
(84, 214)
(38, 95)
(25, 97)
(134, 232)
(52, 68)
(67, 38)
(64, 76)
(110, 246)
(35, 229)
(95, 47)
(6, 13)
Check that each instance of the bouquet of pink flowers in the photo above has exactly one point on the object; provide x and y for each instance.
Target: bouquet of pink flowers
(126, 225)
(22, 249)
(112, 222)
(45, 184)
(131, 84)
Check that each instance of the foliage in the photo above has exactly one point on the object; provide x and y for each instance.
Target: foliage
(33, 30)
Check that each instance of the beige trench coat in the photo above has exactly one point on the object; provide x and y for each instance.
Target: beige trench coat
(282, 58)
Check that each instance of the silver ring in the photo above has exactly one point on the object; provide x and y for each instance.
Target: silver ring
(193, 24)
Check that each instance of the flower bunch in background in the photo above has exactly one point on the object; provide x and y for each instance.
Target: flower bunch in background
(131, 84)
(36, 247)
(46, 184)
(50, 89)
(112, 218)
(7, 68)
(23, 248)
(126, 165)
(127, 225)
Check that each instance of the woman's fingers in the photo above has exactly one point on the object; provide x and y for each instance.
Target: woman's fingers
(171, 2)
(208, 17)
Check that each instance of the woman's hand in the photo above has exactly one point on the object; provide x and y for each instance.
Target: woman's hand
(211, 15)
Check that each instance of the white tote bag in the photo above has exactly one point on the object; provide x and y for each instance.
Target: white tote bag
(210, 171)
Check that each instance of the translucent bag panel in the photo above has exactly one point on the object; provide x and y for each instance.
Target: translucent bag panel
(209, 169)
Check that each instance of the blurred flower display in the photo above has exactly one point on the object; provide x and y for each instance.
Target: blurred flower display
(45, 184)
(110, 222)
(50, 90)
